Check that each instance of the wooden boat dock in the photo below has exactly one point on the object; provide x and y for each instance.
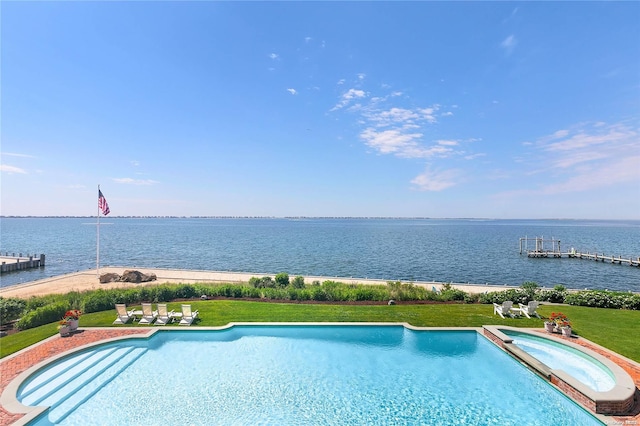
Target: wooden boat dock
(10, 263)
(550, 248)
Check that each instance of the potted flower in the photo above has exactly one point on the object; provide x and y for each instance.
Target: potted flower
(64, 328)
(549, 326)
(559, 321)
(71, 317)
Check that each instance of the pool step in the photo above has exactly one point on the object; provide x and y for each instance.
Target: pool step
(45, 377)
(52, 392)
(60, 375)
(71, 386)
(72, 399)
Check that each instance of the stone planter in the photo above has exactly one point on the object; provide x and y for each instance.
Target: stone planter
(73, 324)
(64, 330)
(566, 331)
(549, 326)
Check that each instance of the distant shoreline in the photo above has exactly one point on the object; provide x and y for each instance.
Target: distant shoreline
(320, 217)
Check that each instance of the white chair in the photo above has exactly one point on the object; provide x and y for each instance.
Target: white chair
(124, 316)
(529, 309)
(188, 315)
(164, 315)
(148, 314)
(504, 309)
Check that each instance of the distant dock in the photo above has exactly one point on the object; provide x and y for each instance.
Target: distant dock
(10, 263)
(550, 248)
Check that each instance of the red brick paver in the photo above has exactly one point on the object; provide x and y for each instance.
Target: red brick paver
(11, 367)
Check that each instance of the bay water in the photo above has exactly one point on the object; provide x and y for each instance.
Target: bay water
(443, 250)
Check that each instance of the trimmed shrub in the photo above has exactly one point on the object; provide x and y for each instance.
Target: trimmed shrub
(11, 309)
(557, 295)
(264, 282)
(529, 288)
(43, 315)
(452, 294)
(99, 300)
(298, 282)
(189, 291)
(604, 299)
(282, 279)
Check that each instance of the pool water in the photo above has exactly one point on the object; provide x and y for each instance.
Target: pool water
(557, 356)
(302, 375)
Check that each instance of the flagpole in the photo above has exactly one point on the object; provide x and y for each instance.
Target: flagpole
(98, 240)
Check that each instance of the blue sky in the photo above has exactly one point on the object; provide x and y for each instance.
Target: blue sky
(429, 109)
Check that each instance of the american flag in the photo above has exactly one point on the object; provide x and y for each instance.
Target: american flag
(102, 203)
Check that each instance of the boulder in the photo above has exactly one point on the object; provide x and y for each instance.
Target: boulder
(129, 276)
(109, 278)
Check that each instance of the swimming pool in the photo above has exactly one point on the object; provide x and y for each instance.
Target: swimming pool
(294, 374)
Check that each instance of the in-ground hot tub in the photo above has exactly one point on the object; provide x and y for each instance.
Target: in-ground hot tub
(588, 377)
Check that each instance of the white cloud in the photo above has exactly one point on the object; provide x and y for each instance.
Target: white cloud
(474, 156)
(428, 113)
(509, 43)
(617, 172)
(401, 144)
(13, 154)
(274, 56)
(361, 76)
(307, 39)
(584, 140)
(130, 181)
(400, 131)
(347, 97)
(586, 156)
(11, 169)
(341, 81)
(292, 91)
(435, 181)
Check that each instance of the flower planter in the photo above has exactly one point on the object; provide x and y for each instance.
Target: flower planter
(73, 324)
(566, 331)
(64, 330)
(549, 326)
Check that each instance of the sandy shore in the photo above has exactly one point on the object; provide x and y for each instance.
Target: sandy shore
(88, 280)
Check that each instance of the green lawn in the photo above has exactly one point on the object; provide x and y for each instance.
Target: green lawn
(613, 329)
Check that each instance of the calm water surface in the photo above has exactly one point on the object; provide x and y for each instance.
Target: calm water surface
(474, 251)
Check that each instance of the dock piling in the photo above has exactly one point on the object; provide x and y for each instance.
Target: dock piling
(539, 251)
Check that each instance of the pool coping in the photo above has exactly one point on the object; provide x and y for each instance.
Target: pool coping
(616, 401)
(13, 412)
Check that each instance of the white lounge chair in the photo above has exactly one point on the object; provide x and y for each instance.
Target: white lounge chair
(148, 314)
(124, 316)
(165, 316)
(504, 309)
(188, 315)
(529, 309)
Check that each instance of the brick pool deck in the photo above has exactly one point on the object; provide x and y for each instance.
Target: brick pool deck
(13, 365)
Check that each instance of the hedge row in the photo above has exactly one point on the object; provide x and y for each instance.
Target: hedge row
(604, 299)
(46, 309)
